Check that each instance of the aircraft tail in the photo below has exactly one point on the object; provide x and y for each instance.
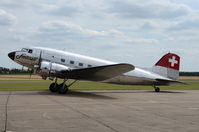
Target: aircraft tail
(168, 66)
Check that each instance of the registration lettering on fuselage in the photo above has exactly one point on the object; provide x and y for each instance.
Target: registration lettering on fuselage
(24, 56)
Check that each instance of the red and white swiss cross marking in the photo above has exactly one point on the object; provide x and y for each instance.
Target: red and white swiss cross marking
(169, 60)
(173, 61)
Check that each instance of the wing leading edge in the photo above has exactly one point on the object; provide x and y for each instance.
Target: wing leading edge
(99, 73)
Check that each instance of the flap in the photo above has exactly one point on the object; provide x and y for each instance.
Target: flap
(99, 73)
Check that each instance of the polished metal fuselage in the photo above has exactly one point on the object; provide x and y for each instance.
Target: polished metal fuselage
(138, 76)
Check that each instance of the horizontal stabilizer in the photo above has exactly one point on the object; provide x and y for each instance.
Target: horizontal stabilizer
(169, 82)
(99, 73)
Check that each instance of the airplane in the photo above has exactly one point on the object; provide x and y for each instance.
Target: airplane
(53, 64)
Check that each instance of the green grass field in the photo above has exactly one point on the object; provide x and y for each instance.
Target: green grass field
(85, 85)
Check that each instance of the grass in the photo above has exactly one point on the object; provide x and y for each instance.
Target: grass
(85, 85)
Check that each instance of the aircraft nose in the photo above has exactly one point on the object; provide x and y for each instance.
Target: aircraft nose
(11, 55)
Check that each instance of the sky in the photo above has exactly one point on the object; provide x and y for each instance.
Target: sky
(138, 32)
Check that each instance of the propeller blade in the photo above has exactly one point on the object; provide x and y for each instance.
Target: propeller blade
(31, 72)
(40, 59)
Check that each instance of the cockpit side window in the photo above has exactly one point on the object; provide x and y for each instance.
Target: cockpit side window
(24, 50)
(30, 51)
(27, 50)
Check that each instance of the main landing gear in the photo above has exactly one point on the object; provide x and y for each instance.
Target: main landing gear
(157, 89)
(60, 88)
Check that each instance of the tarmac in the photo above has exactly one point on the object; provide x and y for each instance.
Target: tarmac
(100, 111)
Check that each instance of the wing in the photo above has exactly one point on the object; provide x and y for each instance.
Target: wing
(99, 73)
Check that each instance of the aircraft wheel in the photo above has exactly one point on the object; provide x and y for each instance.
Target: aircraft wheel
(63, 89)
(157, 89)
(54, 87)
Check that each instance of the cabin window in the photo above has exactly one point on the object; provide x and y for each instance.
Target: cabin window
(80, 64)
(62, 60)
(89, 65)
(29, 51)
(72, 62)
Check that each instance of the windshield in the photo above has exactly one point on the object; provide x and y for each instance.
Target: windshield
(24, 50)
(27, 50)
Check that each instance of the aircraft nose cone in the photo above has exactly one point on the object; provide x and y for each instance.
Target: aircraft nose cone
(11, 55)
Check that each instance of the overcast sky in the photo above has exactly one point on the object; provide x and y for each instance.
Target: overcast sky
(134, 31)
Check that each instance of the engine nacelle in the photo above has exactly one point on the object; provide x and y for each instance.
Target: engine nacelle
(49, 69)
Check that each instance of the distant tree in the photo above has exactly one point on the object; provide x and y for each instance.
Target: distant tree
(13, 71)
(189, 73)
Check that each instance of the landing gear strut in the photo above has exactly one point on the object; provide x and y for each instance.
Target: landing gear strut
(60, 88)
(157, 89)
(63, 88)
(54, 87)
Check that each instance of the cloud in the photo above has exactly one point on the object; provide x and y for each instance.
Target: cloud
(191, 23)
(148, 9)
(12, 3)
(65, 29)
(6, 18)
(188, 58)
(120, 29)
(141, 41)
(58, 10)
(184, 30)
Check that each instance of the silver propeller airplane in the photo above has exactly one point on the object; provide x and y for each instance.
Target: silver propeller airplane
(54, 64)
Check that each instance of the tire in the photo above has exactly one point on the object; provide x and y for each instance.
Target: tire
(63, 89)
(54, 87)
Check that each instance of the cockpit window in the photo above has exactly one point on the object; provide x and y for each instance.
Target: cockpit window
(30, 51)
(24, 50)
(27, 50)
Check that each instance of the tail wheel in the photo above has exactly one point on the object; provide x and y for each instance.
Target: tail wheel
(63, 89)
(54, 87)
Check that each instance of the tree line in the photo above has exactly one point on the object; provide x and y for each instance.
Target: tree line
(27, 71)
(13, 71)
(189, 73)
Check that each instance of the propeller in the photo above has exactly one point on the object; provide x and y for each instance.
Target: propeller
(37, 66)
(31, 72)
(40, 59)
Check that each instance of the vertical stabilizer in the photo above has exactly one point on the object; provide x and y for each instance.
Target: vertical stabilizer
(168, 66)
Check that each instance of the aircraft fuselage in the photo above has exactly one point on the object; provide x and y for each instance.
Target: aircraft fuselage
(29, 57)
